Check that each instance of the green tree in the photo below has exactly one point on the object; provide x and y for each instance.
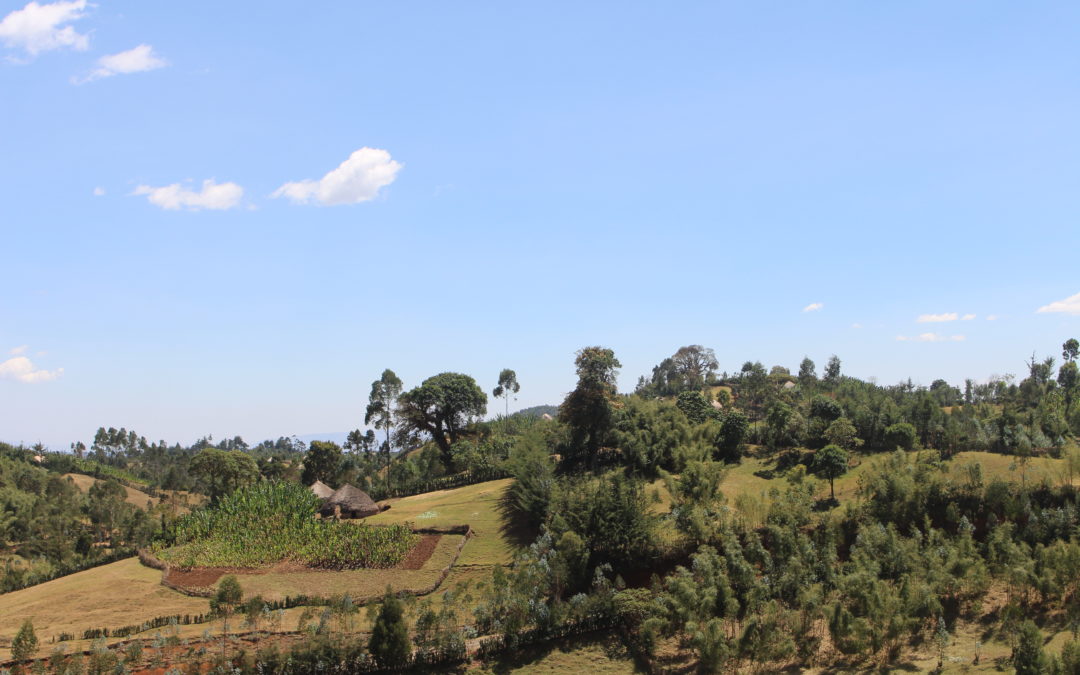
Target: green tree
(228, 596)
(694, 365)
(1069, 381)
(832, 370)
(223, 472)
(1070, 349)
(381, 402)
(443, 405)
(900, 435)
(842, 432)
(1029, 657)
(389, 642)
(587, 410)
(695, 406)
(508, 386)
(25, 644)
(831, 462)
(807, 372)
(322, 462)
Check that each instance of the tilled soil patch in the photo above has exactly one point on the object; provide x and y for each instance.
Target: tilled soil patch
(420, 553)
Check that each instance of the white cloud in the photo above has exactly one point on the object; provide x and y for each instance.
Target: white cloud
(992, 317)
(22, 369)
(856, 325)
(21, 349)
(937, 318)
(136, 60)
(813, 307)
(99, 192)
(358, 179)
(931, 337)
(41, 28)
(214, 196)
(1070, 305)
(967, 317)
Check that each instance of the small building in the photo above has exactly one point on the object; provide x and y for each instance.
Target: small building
(349, 502)
(322, 490)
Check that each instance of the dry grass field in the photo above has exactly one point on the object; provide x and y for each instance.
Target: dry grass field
(114, 595)
(134, 497)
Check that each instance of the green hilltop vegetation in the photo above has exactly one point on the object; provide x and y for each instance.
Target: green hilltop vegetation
(760, 520)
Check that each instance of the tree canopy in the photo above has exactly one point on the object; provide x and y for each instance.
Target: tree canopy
(442, 406)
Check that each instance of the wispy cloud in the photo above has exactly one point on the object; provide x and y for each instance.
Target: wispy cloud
(358, 179)
(23, 369)
(21, 349)
(931, 337)
(992, 317)
(40, 28)
(813, 307)
(136, 60)
(99, 192)
(213, 196)
(1070, 305)
(967, 317)
(937, 318)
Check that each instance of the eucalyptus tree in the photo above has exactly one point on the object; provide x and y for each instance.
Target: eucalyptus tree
(508, 385)
(381, 402)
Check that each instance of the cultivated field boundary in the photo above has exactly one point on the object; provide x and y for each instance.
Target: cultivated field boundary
(148, 559)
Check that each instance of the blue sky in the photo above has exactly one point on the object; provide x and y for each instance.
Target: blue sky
(531, 179)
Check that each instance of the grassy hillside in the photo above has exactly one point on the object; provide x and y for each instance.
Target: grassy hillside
(112, 595)
(134, 497)
(475, 505)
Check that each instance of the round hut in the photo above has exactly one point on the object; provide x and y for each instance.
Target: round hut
(322, 490)
(349, 502)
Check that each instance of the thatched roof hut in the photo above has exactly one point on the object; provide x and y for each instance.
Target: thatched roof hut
(350, 502)
(322, 490)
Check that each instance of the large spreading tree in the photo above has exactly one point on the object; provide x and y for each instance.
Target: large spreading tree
(442, 406)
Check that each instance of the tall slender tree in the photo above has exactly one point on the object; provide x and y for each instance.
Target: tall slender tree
(587, 410)
(508, 385)
(380, 408)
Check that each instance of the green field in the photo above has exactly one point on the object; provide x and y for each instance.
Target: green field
(475, 505)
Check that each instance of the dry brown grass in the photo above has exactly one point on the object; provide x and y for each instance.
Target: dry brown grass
(134, 497)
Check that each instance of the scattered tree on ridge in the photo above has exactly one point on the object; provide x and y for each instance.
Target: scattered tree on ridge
(507, 386)
(443, 406)
(381, 402)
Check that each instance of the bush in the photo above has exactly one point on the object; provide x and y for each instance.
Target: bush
(901, 435)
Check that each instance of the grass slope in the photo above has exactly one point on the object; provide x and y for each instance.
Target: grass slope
(112, 595)
(475, 505)
(134, 497)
